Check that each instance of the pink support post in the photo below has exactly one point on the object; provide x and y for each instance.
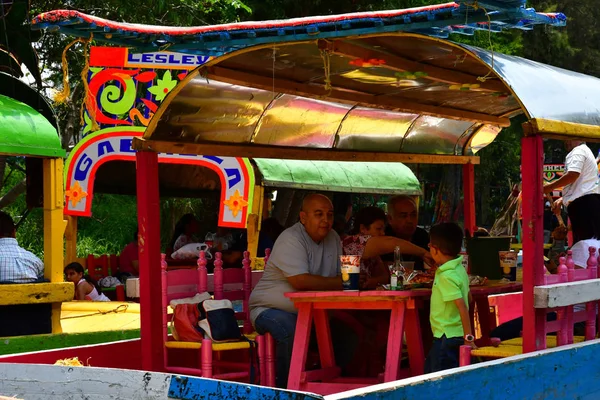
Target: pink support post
(202, 273)
(465, 356)
(261, 349)
(562, 336)
(218, 276)
(148, 205)
(571, 276)
(534, 320)
(247, 290)
(165, 304)
(206, 361)
(590, 307)
(469, 197)
(267, 255)
(270, 360)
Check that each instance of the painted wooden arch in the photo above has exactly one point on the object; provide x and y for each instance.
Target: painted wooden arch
(235, 173)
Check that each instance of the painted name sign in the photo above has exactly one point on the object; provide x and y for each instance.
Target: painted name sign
(551, 173)
(235, 173)
(121, 57)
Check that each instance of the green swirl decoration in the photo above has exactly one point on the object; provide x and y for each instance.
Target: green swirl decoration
(118, 101)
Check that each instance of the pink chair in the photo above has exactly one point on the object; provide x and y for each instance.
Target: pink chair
(183, 283)
(236, 284)
(566, 316)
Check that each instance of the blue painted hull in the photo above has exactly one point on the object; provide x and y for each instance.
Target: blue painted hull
(571, 372)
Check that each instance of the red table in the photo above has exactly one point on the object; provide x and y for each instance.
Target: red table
(313, 306)
(404, 318)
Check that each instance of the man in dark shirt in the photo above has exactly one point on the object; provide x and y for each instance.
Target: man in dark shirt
(402, 223)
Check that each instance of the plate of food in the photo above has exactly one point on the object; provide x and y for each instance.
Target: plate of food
(475, 280)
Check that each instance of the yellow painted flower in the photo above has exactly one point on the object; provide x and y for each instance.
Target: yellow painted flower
(235, 203)
(75, 194)
(163, 86)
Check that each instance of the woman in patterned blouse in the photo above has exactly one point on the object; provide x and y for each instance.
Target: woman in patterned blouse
(369, 241)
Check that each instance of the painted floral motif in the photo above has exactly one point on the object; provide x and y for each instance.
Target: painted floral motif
(163, 86)
(367, 63)
(465, 86)
(410, 75)
(235, 203)
(75, 194)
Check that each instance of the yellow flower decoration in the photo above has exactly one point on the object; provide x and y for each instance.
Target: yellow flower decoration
(75, 194)
(235, 203)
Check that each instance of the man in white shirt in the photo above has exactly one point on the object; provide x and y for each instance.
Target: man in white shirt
(17, 265)
(581, 191)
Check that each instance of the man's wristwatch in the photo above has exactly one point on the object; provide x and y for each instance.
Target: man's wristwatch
(469, 338)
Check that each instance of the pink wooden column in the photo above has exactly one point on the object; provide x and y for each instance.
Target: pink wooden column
(534, 320)
(148, 207)
(469, 197)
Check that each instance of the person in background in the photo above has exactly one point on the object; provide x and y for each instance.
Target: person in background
(129, 258)
(306, 256)
(17, 265)
(269, 232)
(581, 190)
(86, 288)
(402, 219)
(550, 222)
(184, 232)
(449, 316)
(368, 240)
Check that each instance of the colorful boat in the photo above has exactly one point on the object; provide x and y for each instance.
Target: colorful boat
(462, 98)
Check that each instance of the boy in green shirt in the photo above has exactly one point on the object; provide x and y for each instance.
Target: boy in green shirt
(449, 316)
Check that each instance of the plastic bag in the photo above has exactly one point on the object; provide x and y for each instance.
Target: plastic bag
(185, 321)
(190, 251)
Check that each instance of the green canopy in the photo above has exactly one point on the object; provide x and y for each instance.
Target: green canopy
(25, 132)
(338, 176)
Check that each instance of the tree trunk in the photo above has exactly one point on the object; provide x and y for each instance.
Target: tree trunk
(72, 126)
(13, 194)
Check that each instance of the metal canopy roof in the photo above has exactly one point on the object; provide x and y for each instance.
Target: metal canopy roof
(25, 132)
(365, 177)
(393, 93)
(464, 17)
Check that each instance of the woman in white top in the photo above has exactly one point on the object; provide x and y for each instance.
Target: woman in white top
(85, 287)
(185, 229)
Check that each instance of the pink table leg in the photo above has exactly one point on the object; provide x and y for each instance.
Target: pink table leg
(414, 342)
(394, 347)
(324, 338)
(301, 342)
(483, 315)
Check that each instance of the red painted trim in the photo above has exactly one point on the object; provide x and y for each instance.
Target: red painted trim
(131, 157)
(534, 320)
(123, 354)
(148, 205)
(469, 197)
(101, 56)
(65, 15)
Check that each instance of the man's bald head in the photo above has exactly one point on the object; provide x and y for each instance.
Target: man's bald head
(317, 216)
(315, 198)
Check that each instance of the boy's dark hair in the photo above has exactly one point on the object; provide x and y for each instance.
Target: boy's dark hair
(447, 237)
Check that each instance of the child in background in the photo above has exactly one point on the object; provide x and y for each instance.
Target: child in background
(449, 316)
(85, 287)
